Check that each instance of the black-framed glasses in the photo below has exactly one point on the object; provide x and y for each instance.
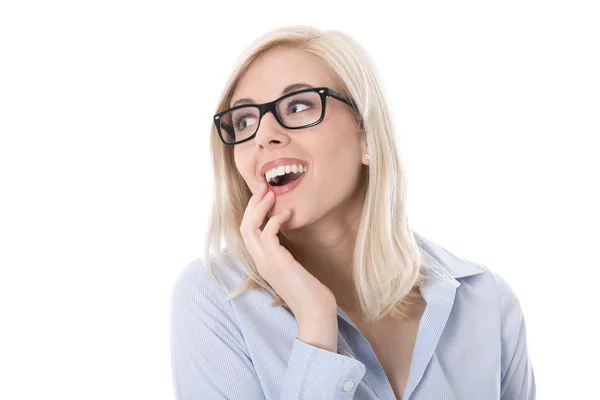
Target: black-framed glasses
(297, 110)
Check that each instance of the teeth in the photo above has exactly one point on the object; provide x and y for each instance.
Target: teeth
(284, 169)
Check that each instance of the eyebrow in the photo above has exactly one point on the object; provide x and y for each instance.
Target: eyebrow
(287, 89)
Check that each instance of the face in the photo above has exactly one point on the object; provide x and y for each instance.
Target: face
(332, 150)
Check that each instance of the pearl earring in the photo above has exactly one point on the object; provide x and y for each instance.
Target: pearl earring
(367, 156)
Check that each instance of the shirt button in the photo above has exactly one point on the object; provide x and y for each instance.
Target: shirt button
(348, 385)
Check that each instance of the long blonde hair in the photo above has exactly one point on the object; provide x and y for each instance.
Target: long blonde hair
(387, 268)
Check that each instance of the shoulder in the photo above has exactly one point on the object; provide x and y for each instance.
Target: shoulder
(195, 296)
(490, 284)
(475, 280)
(194, 277)
(200, 305)
(205, 286)
(201, 275)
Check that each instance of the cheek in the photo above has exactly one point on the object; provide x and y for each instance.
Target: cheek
(341, 124)
(336, 140)
(243, 164)
(335, 149)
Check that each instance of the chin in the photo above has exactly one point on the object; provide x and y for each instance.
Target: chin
(293, 222)
(289, 225)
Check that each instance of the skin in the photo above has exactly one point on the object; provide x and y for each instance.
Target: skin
(324, 210)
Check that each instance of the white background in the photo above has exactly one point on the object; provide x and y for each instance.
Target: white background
(105, 111)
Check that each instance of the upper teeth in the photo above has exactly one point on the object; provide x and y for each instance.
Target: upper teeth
(284, 169)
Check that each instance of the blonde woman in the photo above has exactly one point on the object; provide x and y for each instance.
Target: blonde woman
(322, 290)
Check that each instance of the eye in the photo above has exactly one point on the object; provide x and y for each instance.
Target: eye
(242, 121)
(295, 106)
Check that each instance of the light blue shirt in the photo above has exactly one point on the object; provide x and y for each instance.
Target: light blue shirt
(471, 342)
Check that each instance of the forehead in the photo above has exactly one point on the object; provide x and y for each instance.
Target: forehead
(279, 67)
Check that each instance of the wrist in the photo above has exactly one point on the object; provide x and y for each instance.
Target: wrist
(321, 333)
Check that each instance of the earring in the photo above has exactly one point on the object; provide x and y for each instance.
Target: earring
(367, 156)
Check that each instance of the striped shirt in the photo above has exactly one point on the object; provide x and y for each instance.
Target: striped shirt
(471, 342)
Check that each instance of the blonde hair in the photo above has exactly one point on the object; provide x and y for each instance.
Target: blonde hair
(387, 268)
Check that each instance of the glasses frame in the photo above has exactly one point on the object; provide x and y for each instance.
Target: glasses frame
(263, 109)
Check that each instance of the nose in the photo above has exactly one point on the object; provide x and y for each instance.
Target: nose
(269, 130)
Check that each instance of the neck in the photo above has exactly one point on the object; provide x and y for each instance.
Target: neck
(326, 249)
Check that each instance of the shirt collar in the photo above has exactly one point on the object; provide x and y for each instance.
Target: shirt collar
(441, 261)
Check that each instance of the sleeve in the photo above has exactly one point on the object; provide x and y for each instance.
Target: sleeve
(209, 359)
(207, 349)
(317, 374)
(517, 377)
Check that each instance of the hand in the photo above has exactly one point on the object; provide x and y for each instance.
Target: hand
(305, 295)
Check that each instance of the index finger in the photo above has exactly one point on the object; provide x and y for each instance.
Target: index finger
(258, 196)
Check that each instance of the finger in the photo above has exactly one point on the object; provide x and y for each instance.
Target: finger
(256, 217)
(251, 220)
(252, 225)
(258, 195)
(269, 236)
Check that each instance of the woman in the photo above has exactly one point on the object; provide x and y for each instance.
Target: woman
(331, 295)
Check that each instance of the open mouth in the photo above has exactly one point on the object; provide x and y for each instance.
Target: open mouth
(286, 183)
(285, 179)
